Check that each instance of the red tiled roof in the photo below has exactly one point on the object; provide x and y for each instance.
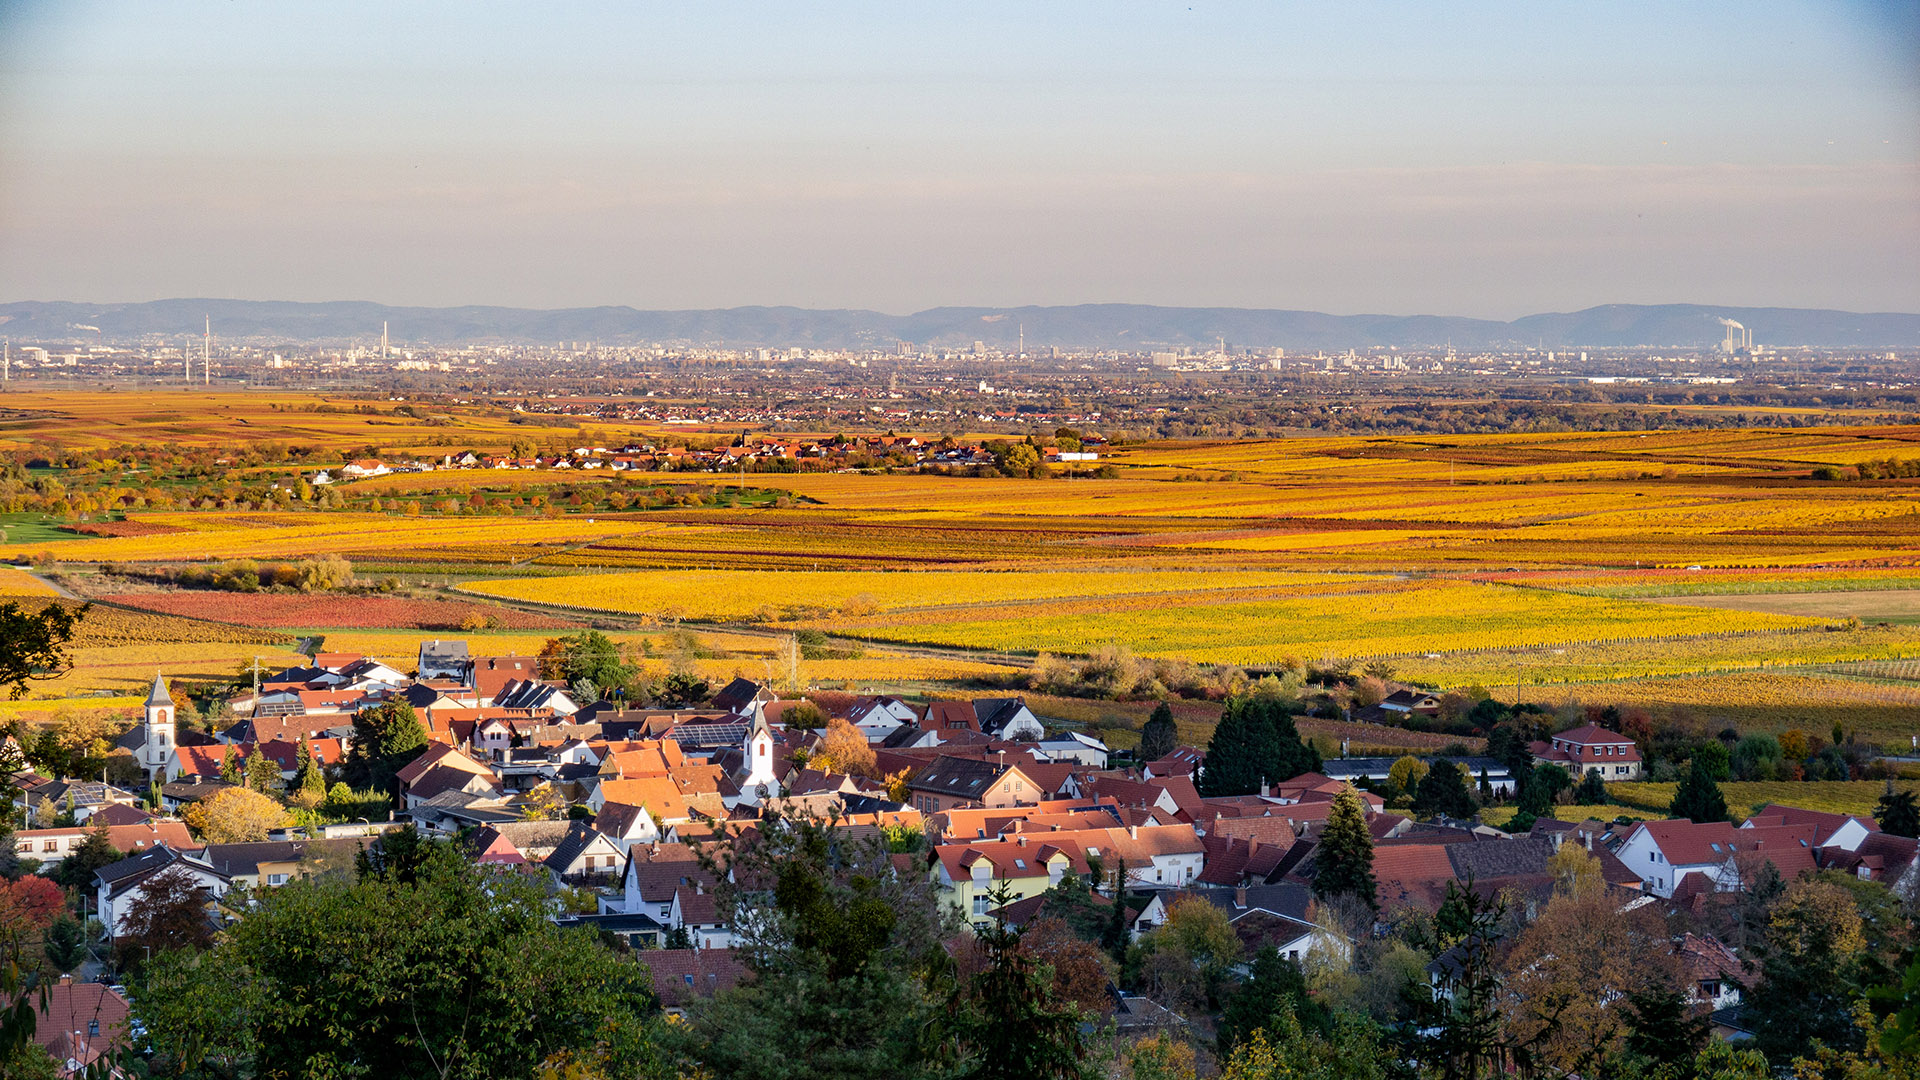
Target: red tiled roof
(1825, 824)
(1413, 873)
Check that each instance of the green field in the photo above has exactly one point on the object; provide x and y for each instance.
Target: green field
(32, 529)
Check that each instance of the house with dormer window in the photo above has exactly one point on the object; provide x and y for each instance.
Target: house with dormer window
(1591, 748)
(956, 781)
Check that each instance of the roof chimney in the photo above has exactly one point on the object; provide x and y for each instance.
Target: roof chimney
(1240, 896)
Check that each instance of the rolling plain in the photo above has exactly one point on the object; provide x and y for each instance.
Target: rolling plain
(1707, 573)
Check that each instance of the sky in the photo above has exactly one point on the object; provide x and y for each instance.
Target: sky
(1461, 158)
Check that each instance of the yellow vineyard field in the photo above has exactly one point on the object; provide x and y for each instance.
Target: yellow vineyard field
(17, 583)
(280, 536)
(766, 595)
(129, 668)
(1582, 662)
(1762, 701)
(1438, 616)
(1831, 796)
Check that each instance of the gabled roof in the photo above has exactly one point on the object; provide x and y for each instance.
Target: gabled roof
(1825, 824)
(1687, 843)
(437, 755)
(680, 975)
(118, 814)
(1500, 859)
(962, 778)
(120, 876)
(580, 836)
(618, 819)
(739, 694)
(535, 839)
(1592, 734)
(489, 847)
(1706, 957)
(1412, 874)
(995, 713)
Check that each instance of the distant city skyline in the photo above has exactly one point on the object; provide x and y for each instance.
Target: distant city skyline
(1484, 159)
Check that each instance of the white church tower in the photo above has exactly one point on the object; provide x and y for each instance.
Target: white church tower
(156, 751)
(760, 781)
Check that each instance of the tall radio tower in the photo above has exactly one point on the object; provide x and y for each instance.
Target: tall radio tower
(206, 353)
(383, 339)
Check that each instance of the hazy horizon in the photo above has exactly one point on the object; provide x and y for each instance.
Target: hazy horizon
(1487, 160)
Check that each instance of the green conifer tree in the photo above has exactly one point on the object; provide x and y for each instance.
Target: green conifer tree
(1158, 735)
(1698, 798)
(1343, 860)
(1443, 791)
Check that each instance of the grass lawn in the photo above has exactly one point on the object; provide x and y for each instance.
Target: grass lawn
(33, 529)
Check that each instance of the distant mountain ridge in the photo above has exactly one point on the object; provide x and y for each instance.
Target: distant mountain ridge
(1120, 326)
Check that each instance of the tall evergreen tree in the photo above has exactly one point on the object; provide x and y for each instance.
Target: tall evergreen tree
(1698, 798)
(263, 775)
(1661, 1028)
(1592, 790)
(1116, 936)
(97, 850)
(1292, 755)
(65, 943)
(385, 738)
(1158, 735)
(1017, 1025)
(1255, 743)
(309, 780)
(1444, 791)
(1898, 812)
(1343, 860)
(1234, 755)
(230, 770)
(1273, 984)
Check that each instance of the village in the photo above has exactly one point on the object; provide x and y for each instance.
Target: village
(1008, 815)
(754, 453)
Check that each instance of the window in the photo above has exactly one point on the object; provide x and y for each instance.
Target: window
(276, 879)
(24, 845)
(50, 845)
(1709, 988)
(93, 1029)
(979, 905)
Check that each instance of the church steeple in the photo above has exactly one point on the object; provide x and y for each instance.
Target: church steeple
(156, 752)
(760, 781)
(159, 695)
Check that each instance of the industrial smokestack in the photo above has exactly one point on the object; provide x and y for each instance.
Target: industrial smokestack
(1732, 342)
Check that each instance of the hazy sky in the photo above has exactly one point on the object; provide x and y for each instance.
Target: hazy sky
(1462, 158)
